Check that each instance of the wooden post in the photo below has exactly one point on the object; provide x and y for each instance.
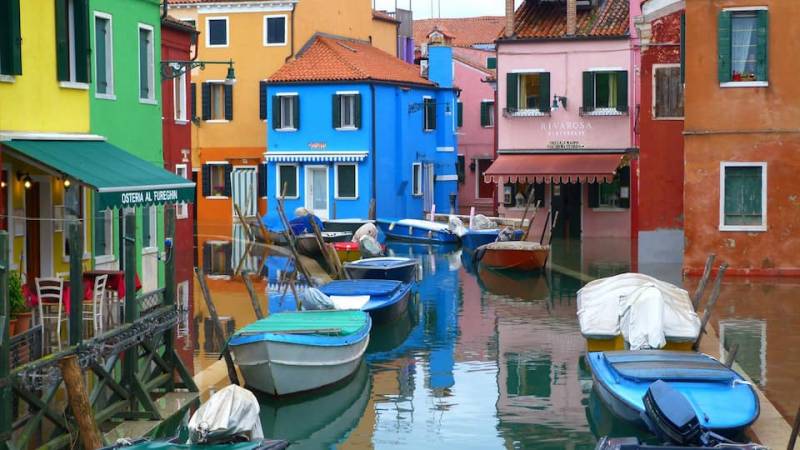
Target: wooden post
(78, 398)
(712, 301)
(212, 310)
(795, 431)
(248, 283)
(701, 286)
(130, 360)
(731, 357)
(530, 222)
(75, 282)
(170, 285)
(6, 395)
(544, 229)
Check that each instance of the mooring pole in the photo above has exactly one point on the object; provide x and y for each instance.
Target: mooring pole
(75, 282)
(78, 398)
(169, 286)
(6, 397)
(131, 308)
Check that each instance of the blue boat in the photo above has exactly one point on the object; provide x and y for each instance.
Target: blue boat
(388, 299)
(723, 400)
(414, 230)
(383, 268)
(473, 239)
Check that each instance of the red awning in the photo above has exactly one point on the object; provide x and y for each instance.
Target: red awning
(554, 168)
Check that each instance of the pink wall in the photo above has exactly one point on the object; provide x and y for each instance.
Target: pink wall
(474, 141)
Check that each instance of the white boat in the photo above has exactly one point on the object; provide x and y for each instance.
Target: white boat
(300, 351)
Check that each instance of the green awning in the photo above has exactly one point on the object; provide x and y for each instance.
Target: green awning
(121, 179)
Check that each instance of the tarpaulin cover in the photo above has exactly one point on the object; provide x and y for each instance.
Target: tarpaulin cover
(554, 168)
(360, 287)
(231, 412)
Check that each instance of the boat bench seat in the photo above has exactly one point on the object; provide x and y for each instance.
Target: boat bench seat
(668, 366)
(375, 288)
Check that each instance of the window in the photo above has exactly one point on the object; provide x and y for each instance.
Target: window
(459, 114)
(217, 259)
(287, 180)
(487, 113)
(10, 38)
(76, 204)
(460, 162)
(179, 96)
(217, 101)
(429, 114)
(274, 30)
(605, 92)
(72, 40)
(217, 32)
(743, 196)
(103, 56)
(667, 92)
(182, 209)
(104, 233)
(613, 195)
(347, 111)
(516, 195)
(286, 112)
(346, 181)
(193, 100)
(149, 227)
(217, 179)
(528, 93)
(491, 62)
(147, 89)
(416, 179)
(742, 39)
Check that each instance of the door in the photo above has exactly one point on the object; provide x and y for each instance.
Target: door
(244, 189)
(566, 199)
(317, 190)
(32, 233)
(428, 192)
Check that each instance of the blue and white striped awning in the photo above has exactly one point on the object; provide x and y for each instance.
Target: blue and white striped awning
(315, 156)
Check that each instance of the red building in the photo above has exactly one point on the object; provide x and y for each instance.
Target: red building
(177, 39)
(660, 132)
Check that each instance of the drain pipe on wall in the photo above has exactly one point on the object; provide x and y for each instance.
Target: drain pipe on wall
(373, 204)
(291, 44)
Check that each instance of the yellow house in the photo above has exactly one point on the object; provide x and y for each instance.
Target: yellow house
(229, 131)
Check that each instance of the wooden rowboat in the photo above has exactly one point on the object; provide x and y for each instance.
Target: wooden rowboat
(514, 255)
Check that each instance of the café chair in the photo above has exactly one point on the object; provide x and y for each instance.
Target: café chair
(51, 306)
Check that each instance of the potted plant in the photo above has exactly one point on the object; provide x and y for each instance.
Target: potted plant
(20, 310)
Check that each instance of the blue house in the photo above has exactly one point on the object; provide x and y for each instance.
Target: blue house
(349, 126)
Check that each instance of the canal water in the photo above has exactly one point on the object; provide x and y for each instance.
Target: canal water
(487, 359)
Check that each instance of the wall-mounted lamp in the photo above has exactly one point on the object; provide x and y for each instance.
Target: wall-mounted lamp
(67, 183)
(472, 166)
(2, 184)
(27, 182)
(556, 100)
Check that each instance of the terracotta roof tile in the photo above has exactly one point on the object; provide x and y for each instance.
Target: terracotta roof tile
(466, 32)
(384, 16)
(535, 20)
(328, 58)
(178, 24)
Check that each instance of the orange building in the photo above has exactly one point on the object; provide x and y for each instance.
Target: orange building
(229, 129)
(741, 194)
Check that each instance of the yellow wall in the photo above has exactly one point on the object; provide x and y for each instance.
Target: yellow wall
(384, 36)
(35, 101)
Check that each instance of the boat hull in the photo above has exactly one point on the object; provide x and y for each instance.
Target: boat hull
(307, 244)
(516, 259)
(347, 251)
(410, 233)
(392, 311)
(406, 273)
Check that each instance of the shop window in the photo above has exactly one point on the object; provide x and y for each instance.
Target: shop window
(528, 93)
(742, 39)
(484, 189)
(217, 258)
(613, 195)
(743, 197)
(274, 30)
(487, 113)
(346, 181)
(149, 227)
(429, 114)
(516, 195)
(147, 90)
(217, 101)
(217, 32)
(416, 179)
(104, 233)
(72, 40)
(347, 111)
(288, 180)
(668, 92)
(103, 55)
(10, 38)
(605, 92)
(216, 180)
(286, 112)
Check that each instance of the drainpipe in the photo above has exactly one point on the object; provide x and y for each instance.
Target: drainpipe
(374, 200)
(164, 9)
(291, 45)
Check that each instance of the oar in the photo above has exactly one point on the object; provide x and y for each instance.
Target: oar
(546, 219)
(550, 239)
(530, 222)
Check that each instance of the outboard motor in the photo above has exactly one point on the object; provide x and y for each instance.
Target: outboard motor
(670, 416)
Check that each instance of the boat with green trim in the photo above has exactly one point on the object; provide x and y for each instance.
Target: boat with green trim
(299, 351)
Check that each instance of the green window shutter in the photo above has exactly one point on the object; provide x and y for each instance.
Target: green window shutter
(336, 111)
(62, 41)
(459, 114)
(512, 91)
(206, 91)
(484, 114)
(100, 32)
(724, 46)
(10, 38)
(193, 89)
(588, 91)
(228, 171)
(262, 100)
(357, 111)
(625, 182)
(544, 92)
(82, 42)
(743, 196)
(762, 35)
(491, 62)
(296, 110)
(206, 174)
(593, 194)
(622, 91)
(432, 114)
(228, 90)
(276, 112)
(683, 48)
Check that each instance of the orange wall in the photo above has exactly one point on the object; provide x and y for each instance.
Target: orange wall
(742, 124)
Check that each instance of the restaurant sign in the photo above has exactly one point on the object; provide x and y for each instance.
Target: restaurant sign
(143, 197)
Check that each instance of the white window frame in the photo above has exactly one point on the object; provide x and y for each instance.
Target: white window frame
(745, 84)
(110, 95)
(526, 112)
(279, 182)
(217, 84)
(86, 228)
(425, 114)
(182, 209)
(179, 98)
(108, 230)
(491, 112)
(151, 87)
(336, 181)
(655, 90)
(605, 111)
(227, 32)
(285, 30)
(280, 111)
(211, 165)
(722, 166)
(347, 96)
(152, 246)
(416, 189)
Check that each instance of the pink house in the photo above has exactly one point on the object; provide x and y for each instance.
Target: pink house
(565, 133)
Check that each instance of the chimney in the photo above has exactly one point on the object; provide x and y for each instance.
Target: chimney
(509, 18)
(572, 19)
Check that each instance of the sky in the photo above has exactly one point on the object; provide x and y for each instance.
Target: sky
(449, 8)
